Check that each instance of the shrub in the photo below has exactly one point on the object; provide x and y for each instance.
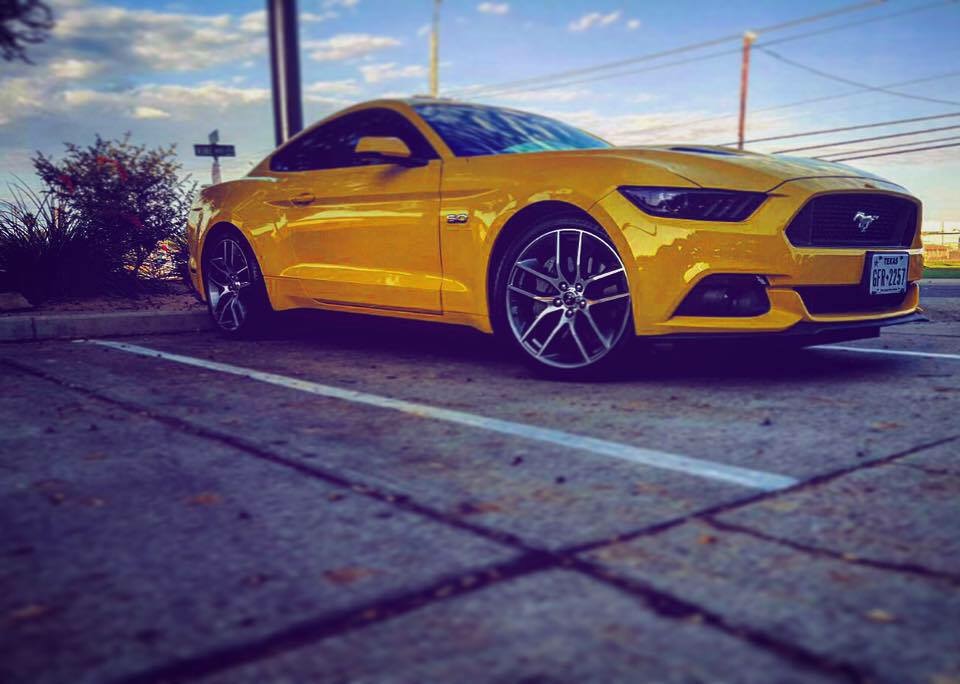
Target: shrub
(127, 199)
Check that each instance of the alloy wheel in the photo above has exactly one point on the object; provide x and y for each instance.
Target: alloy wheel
(568, 301)
(227, 275)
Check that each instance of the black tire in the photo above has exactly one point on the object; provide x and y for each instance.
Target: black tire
(233, 283)
(588, 343)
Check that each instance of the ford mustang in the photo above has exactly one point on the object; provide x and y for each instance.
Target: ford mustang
(559, 242)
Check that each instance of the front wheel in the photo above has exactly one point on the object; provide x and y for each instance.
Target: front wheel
(236, 294)
(562, 298)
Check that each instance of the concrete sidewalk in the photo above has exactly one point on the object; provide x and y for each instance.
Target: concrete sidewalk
(25, 328)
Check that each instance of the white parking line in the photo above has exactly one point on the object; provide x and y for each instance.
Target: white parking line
(744, 477)
(892, 352)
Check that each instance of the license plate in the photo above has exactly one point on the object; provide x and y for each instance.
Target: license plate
(887, 273)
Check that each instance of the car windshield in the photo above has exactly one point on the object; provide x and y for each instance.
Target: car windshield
(472, 131)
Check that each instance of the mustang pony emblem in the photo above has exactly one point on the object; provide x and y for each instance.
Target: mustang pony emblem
(864, 220)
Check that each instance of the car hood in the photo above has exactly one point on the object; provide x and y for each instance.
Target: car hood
(724, 167)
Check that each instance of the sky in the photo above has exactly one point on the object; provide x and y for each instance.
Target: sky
(170, 72)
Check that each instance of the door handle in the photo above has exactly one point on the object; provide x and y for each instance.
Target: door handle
(303, 199)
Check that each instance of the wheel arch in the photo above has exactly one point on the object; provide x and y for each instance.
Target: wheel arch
(516, 223)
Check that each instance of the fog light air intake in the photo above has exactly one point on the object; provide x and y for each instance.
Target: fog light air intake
(734, 295)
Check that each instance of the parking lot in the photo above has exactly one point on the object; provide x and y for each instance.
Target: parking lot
(355, 500)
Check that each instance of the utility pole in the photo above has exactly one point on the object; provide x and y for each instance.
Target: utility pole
(748, 38)
(435, 50)
(285, 69)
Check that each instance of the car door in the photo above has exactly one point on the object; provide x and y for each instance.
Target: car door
(365, 234)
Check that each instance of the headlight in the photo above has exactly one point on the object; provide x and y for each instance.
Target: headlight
(694, 203)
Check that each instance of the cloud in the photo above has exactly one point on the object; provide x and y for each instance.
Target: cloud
(156, 101)
(493, 7)
(424, 30)
(332, 94)
(633, 24)
(552, 95)
(377, 73)
(341, 3)
(343, 87)
(121, 39)
(74, 69)
(588, 21)
(348, 46)
(256, 21)
(142, 112)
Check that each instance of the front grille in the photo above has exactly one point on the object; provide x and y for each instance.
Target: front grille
(832, 221)
(835, 299)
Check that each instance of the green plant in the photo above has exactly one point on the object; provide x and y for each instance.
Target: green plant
(127, 198)
(43, 251)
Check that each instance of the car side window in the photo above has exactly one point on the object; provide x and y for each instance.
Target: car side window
(332, 145)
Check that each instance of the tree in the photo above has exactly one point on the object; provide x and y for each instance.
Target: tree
(127, 198)
(23, 22)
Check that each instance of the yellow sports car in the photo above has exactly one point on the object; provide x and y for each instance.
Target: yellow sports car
(568, 247)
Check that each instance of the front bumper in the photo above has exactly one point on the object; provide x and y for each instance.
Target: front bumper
(666, 258)
(805, 332)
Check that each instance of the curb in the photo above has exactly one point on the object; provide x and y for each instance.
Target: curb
(71, 326)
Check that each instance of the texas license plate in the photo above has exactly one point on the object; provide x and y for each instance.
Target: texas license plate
(887, 273)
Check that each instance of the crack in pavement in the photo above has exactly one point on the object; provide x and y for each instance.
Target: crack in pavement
(531, 560)
(893, 566)
(736, 503)
(339, 622)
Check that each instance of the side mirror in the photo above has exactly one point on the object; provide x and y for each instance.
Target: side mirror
(386, 150)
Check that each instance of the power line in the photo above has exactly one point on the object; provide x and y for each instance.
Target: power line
(871, 139)
(510, 88)
(852, 128)
(797, 103)
(889, 147)
(887, 154)
(665, 53)
(848, 81)
(619, 74)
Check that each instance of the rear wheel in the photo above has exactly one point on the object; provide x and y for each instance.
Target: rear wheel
(236, 295)
(561, 297)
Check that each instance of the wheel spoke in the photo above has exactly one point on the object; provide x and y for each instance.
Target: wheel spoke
(579, 252)
(604, 300)
(542, 276)
(218, 271)
(224, 304)
(576, 338)
(536, 321)
(539, 298)
(237, 311)
(553, 333)
(596, 330)
(595, 278)
(557, 263)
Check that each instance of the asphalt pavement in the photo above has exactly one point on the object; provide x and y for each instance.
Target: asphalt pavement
(354, 500)
(941, 289)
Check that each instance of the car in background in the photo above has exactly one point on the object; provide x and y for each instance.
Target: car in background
(564, 245)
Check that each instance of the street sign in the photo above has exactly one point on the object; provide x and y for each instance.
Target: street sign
(214, 151)
(214, 136)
